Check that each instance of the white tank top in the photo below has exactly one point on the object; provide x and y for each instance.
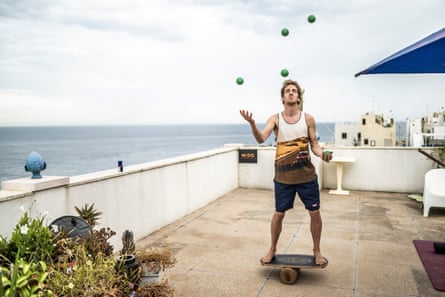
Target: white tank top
(288, 131)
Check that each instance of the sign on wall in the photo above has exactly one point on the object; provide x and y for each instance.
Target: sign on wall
(248, 156)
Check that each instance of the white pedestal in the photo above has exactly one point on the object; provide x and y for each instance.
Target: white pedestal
(28, 184)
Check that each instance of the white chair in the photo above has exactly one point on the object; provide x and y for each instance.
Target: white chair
(434, 190)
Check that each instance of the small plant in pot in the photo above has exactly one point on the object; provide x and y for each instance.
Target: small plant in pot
(89, 213)
(155, 258)
(97, 243)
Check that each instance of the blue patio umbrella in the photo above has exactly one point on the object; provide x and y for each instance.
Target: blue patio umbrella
(424, 56)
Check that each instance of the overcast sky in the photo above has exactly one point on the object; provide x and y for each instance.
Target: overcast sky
(167, 62)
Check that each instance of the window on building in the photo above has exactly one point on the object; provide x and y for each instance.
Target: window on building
(359, 136)
(365, 141)
(344, 135)
(363, 122)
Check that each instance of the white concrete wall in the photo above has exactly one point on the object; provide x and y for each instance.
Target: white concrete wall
(388, 169)
(258, 175)
(142, 199)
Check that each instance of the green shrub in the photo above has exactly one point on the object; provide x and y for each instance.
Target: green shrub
(30, 240)
(23, 279)
(87, 277)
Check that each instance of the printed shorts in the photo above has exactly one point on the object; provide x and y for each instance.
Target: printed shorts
(309, 194)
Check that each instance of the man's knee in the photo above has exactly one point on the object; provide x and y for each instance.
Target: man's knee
(278, 215)
(315, 214)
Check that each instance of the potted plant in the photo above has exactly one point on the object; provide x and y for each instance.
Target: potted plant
(152, 261)
(159, 258)
(89, 213)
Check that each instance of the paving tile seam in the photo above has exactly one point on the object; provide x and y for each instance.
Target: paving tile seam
(263, 284)
(309, 284)
(192, 219)
(385, 293)
(193, 268)
(199, 245)
(293, 237)
(225, 248)
(215, 271)
(242, 225)
(318, 285)
(415, 224)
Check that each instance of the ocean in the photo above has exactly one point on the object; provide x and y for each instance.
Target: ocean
(75, 150)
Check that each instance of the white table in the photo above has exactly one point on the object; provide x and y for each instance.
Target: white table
(340, 161)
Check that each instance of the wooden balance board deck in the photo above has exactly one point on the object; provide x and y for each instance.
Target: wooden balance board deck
(291, 264)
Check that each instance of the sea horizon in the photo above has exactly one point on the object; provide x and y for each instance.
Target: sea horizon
(80, 149)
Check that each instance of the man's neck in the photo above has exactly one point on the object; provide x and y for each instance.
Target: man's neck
(291, 110)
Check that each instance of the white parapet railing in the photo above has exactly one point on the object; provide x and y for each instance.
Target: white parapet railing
(382, 169)
(145, 197)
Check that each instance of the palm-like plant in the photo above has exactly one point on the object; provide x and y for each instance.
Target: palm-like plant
(89, 214)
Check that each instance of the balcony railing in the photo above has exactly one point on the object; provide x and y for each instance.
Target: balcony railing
(148, 196)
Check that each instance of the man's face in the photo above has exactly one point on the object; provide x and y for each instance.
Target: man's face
(291, 96)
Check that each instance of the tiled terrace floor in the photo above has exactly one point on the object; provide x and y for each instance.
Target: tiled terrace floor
(367, 237)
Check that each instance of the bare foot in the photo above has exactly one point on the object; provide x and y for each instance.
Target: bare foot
(268, 258)
(319, 259)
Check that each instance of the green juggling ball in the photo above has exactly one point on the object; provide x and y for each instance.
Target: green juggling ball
(311, 18)
(285, 32)
(284, 72)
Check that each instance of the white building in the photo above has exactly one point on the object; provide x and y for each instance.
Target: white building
(347, 134)
(426, 131)
(373, 130)
(414, 135)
